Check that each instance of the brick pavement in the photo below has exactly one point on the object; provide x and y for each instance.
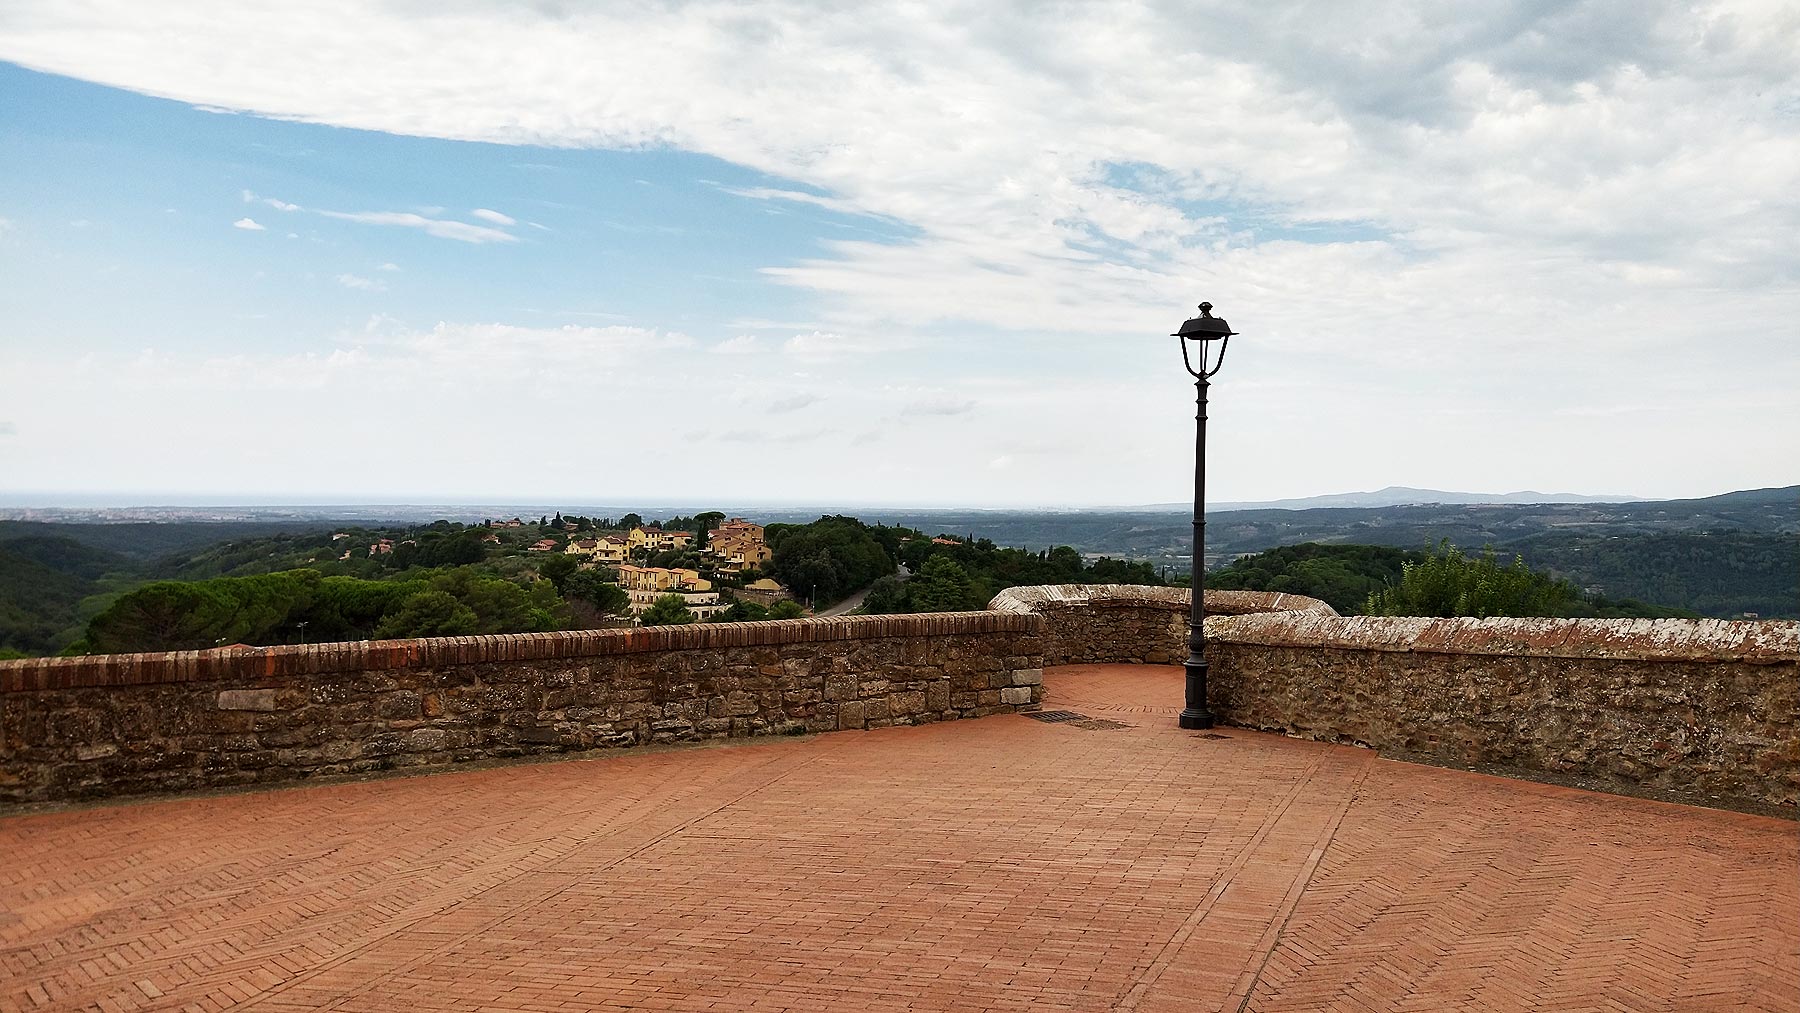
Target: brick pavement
(999, 864)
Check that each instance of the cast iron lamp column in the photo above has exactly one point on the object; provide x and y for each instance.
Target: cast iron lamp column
(1203, 330)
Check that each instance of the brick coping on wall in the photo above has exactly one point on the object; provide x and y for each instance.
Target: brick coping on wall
(1764, 642)
(1271, 619)
(1034, 600)
(31, 674)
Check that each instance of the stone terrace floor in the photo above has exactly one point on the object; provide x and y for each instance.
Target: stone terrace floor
(999, 864)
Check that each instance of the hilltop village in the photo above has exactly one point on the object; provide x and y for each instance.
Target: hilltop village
(646, 562)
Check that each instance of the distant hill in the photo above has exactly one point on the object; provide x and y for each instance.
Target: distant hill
(1400, 495)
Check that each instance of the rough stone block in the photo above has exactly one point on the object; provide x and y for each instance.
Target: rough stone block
(1028, 677)
(426, 740)
(401, 705)
(937, 696)
(247, 699)
(1016, 695)
(906, 703)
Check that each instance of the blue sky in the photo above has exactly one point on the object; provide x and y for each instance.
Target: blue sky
(597, 235)
(913, 255)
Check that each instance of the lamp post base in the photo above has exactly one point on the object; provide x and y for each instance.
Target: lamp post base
(1196, 715)
(1196, 719)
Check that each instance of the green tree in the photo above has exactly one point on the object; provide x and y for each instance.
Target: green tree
(1448, 583)
(180, 615)
(833, 555)
(556, 568)
(1342, 576)
(668, 610)
(502, 606)
(593, 588)
(942, 586)
(887, 597)
(742, 611)
(787, 608)
(429, 614)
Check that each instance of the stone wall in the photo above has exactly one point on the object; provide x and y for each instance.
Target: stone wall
(1704, 707)
(1701, 707)
(1118, 623)
(125, 724)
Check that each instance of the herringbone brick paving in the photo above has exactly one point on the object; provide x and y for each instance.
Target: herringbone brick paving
(1000, 864)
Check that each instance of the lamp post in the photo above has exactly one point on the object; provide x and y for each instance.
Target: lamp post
(1203, 331)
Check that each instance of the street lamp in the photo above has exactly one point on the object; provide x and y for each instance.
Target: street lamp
(1203, 331)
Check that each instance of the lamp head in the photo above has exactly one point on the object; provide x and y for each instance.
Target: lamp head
(1204, 327)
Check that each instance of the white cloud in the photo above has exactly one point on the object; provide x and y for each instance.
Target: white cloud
(1407, 208)
(247, 223)
(389, 266)
(8, 428)
(941, 405)
(821, 345)
(786, 405)
(360, 283)
(442, 228)
(493, 216)
(742, 344)
(250, 197)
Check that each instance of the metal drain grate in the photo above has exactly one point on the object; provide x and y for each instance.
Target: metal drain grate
(1078, 720)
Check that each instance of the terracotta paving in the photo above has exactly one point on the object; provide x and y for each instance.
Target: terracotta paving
(999, 864)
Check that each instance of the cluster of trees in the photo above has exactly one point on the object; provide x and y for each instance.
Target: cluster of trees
(1445, 582)
(295, 605)
(1342, 576)
(966, 575)
(831, 558)
(1714, 573)
(1439, 581)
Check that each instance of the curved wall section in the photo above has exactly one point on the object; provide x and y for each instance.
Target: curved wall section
(1113, 623)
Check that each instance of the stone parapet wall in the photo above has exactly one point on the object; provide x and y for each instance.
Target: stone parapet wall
(125, 724)
(1119, 623)
(1703, 707)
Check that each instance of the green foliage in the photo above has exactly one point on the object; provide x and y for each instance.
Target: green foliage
(788, 609)
(178, 616)
(743, 611)
(1342, 576)
(556, 568)
(833, 556)
(593, 587)
(429, 614)
(502, 606)
(42, 583)
(268, 609)
(1447, 583)
(886, 597)
(668, 610)
(942, 585)
(982, 570)
(1718, 573)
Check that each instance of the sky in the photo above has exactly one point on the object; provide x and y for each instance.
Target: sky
(926, 254)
